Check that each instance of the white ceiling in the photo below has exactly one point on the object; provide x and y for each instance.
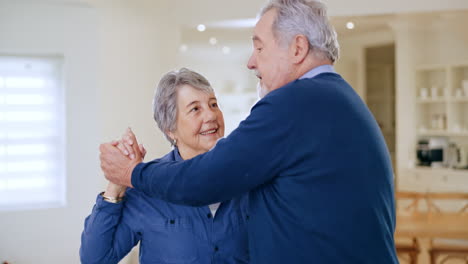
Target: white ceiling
(209, 11)
(193, 12)
(248, 8)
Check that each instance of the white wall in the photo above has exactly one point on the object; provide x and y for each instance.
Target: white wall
(52, 236)
(137, 44)
(114, 54)
(352, 63)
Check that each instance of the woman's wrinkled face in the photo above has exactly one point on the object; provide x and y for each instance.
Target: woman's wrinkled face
(199, 122)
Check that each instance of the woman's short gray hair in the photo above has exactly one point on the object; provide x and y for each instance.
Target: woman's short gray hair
(306, 17)
(165, 98)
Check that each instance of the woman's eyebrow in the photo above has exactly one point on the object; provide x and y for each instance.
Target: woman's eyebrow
(191, 103)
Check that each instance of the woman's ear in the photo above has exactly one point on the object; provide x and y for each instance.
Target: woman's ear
(171, 135)
(173, 138)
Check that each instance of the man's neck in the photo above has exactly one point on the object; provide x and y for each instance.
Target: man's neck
(310, 63)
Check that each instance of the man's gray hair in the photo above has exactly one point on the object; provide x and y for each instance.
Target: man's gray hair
(165, 98)
(306, 17)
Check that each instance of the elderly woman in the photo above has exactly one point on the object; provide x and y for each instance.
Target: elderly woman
(186, 110)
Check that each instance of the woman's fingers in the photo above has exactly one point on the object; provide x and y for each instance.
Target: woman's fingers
(142, 150)
(121, 147)
(128, 142)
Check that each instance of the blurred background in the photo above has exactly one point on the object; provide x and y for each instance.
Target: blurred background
(75, 73)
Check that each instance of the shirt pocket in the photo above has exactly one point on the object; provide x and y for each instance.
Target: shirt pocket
(170, 241)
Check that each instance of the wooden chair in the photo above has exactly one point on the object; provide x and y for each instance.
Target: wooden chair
(429, 216)
(424, 215)
(417, 199)
(408, 252)
(443, 253)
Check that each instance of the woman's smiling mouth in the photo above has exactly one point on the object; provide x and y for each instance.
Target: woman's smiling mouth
(209, 132)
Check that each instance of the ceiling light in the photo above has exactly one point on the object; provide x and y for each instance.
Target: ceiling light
(201, 27)
(183, 48)
(236, 23)
(213, 41)
(226, 50)
(350, 25)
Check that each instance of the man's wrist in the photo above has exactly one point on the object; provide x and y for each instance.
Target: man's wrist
(129, 173)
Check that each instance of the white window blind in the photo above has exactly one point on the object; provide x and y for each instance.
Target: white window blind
(32, 133)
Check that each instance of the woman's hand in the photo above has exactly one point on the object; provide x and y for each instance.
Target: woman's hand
(125, 145)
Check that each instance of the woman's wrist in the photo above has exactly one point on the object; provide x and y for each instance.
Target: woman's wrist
(111, 199)
(115, 191)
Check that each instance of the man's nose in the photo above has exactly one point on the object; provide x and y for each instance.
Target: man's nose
(252, 63)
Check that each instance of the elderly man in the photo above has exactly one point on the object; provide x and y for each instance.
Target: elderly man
(310, 154)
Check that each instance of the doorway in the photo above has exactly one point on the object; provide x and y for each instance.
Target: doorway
(380, 91)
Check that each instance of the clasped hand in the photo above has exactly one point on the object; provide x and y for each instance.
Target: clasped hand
(120, 157)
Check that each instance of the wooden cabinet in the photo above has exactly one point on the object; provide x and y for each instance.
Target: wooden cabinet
(441, 110)
(432, 180)
(442, 100)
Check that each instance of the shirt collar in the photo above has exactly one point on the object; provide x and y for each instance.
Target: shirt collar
(318, 70)
(176, 154)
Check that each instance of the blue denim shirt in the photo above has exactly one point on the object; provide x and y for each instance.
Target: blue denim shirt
(168, 233)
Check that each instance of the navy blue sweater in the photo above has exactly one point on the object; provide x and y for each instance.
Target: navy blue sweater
(317, 169)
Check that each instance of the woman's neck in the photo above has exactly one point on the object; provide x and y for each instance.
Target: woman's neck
(186, 154)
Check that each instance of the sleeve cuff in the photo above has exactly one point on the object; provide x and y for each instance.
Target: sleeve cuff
(135, 173)
(110, 208)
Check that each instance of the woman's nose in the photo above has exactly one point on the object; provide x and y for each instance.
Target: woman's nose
(210, 115)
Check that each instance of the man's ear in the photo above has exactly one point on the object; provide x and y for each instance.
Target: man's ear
(299, 49)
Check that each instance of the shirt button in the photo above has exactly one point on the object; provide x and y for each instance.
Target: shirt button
(216, 248)
(172, 221)
(209, 215)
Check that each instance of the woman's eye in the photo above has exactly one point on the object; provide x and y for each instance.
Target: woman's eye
(214, 105)
(194, 109)
(259, 49)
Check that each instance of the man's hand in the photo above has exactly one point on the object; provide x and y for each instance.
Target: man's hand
(116, 166)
